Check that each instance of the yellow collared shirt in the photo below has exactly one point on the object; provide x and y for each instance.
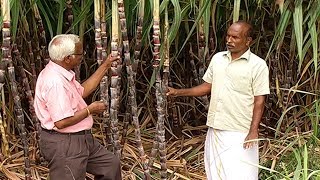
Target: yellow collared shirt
(234, 85)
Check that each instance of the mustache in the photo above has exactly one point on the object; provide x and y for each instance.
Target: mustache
(229, 45)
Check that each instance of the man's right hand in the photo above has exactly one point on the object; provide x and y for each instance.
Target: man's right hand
(94, 108)
(97, 107)
(109, 61)
(172, 92)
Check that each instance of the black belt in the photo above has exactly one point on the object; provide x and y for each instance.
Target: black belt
(83, 132)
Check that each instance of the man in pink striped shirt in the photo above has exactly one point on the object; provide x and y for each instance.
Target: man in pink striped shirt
(66, 141)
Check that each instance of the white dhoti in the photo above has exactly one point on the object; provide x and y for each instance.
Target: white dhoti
(226, 159)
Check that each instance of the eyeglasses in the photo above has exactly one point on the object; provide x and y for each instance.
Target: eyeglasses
(82, 54)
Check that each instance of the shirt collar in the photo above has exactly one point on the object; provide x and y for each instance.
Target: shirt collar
(244, 56)
(60, 70)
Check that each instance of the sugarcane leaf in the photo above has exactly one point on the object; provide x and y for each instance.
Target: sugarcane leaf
(83, 14)
(281, 29)
(15, 14)
(46, 17)
(297, 24)
(305, 162)
(206, 4)
(314, 36)
(174, 28)
(299, 166)
(317, 172)
(206, 20)
(236, 10)
(282, 118)
(62, 6)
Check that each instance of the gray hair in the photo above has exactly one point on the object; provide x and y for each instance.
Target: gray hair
(62, 45)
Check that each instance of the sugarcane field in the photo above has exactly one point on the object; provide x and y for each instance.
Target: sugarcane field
(160, 89)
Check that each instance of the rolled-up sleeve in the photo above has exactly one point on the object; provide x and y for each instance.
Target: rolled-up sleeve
(261, 80)
(208, 76)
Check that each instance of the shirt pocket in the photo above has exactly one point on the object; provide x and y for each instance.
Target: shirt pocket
(239, 80)
(74, 102)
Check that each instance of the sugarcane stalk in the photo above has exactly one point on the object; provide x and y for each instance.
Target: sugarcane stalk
(20, 120)
(27, 88)
(31, 55)
(162, 103)
(6, 58)
(201, 43)
(3, 65)
(97, 27)
(105, 80)
(159, 91)
(161, 127)
(41, 33)
(156, 65)
(68, 16)
(131, 70)
(125, 128)
(123, 26)
(204, 99)
(36, 51)
(173, 114)
(166, 64)
(4, 141)
(288, 79)
(82, 24)
(135, 120)
(166, 81)
(99, 15)
(104, 89)
(115, 80)
(138, 45)
(272, 99)
(125, 42)
(201, 38)
(201, 55)
(103, 24)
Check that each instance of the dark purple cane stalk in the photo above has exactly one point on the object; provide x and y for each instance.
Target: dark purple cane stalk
(104, 85)
(7, 59)
(28, 91)
(4, 140)
(132, 88)
(115, 95)
(160, 136)
(41, 33)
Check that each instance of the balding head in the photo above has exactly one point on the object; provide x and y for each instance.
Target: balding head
(62, 45)
(248, 27)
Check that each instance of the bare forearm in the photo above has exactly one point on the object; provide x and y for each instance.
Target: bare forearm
(93, 81)
(200, 90)
(96, 107)
(69, 121)
(257, 113)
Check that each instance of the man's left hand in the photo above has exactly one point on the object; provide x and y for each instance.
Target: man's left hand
(249, 140)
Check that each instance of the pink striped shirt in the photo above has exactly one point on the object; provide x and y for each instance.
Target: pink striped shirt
(57, 96)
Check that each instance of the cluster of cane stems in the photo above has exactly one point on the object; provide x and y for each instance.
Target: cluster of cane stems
(7, 62)
(160, 142)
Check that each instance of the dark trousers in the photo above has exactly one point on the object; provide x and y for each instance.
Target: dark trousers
(70, 156)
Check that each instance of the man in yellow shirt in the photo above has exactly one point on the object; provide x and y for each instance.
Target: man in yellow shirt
(238, 81)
